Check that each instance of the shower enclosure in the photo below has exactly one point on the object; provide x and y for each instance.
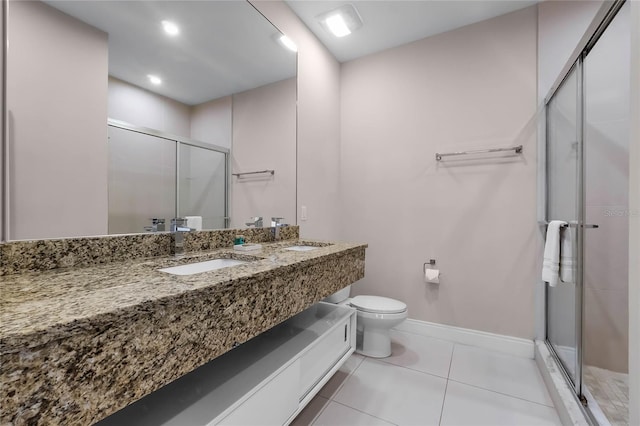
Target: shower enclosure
(153, 175)
(587, 180)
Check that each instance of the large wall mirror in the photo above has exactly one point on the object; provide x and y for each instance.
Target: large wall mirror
(119, 112)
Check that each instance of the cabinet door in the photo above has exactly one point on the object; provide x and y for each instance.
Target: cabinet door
(323, 355)
(272, 404)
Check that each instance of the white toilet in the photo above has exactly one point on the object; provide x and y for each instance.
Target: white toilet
(376, 316)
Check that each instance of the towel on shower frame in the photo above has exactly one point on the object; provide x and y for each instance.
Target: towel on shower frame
(551, 260)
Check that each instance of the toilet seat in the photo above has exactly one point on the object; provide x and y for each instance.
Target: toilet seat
(378, 305)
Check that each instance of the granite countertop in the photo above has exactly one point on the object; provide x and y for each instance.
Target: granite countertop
(38, 307)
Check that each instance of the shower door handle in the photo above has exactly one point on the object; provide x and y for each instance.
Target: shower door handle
(591, 226)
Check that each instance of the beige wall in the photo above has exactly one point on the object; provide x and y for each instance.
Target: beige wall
(58, 162)
(211, 122)
(207, 122)
(318, 133)
(264, 138)
(471, 88)
(143, 108)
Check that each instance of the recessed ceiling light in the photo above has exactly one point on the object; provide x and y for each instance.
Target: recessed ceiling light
(287, 42)
(170, 28)
(154, 79)
(341, 21)
(337, 25)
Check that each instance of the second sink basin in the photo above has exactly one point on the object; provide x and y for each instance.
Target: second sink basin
(301, 248)
(200, 267)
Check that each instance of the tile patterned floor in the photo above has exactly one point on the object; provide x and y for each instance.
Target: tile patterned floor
(611, 392)
(433, 382)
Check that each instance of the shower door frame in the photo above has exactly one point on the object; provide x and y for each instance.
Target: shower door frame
(598, 26)
(579, 229)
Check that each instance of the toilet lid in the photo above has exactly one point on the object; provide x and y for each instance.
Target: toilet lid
(378, 305)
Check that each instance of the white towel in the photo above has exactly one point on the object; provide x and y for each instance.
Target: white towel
(566, 255)
(551, 262)
(194, 222)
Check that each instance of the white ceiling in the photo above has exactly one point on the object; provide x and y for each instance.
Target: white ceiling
(227, 47)
(393, 22)
(224, 47)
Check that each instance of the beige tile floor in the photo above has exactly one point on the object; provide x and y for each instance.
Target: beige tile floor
(433, 382)
(611, 392)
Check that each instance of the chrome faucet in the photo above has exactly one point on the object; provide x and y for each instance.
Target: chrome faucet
(275, 227)
(255, 221)
(178, 228)
(157, 225)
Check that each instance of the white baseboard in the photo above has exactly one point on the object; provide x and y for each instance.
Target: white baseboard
(496, 342)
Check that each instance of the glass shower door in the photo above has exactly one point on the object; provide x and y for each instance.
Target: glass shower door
(142, 180)
(607, 78)
(564, 198)
(202, 185)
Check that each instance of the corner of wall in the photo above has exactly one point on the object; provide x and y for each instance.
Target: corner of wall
(634, 221)
(318, 124)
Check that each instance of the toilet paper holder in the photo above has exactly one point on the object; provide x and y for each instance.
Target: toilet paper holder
(431, 262)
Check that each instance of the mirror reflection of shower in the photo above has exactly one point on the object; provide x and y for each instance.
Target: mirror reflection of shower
(154, 178)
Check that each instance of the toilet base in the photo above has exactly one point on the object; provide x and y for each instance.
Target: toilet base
(374, 344)
(373, 337)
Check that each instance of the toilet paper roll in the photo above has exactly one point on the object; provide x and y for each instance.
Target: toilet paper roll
(432, 276)
(194, 222)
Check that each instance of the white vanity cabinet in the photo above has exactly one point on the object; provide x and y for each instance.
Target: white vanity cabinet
(266, 381)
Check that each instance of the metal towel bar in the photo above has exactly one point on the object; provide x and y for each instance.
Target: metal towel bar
(271, 172)
(516, 149)
(573, 225)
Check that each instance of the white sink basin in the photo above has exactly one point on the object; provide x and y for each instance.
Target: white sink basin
(301, 248)
(200, 267)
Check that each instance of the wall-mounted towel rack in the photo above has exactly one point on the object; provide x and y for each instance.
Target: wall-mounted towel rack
(271, 172)
(516, 149)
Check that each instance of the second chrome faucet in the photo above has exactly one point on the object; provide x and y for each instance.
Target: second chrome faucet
(255, 221)
(178, 228)
(276, 224)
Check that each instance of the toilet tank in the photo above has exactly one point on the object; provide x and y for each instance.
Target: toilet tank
(339, 296)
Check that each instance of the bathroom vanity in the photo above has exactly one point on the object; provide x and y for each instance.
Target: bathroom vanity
(79, 343)
(266, 381)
